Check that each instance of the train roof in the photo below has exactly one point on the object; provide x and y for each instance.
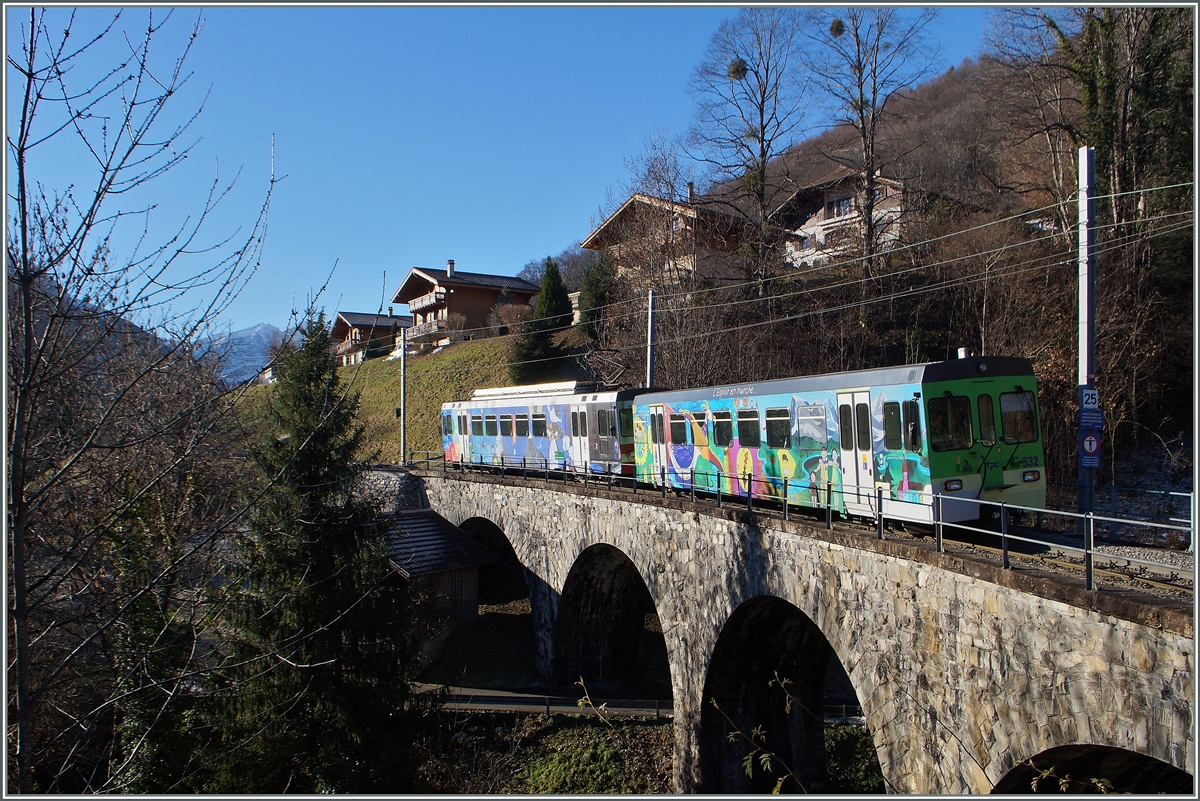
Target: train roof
(540, 394)
(924, 373)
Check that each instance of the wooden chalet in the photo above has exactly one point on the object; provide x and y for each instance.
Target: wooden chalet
(446, 302)
(358, 336)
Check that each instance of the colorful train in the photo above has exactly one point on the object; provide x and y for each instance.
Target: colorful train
(967, 428)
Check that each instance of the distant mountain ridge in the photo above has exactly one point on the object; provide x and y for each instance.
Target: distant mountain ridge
(244, 353)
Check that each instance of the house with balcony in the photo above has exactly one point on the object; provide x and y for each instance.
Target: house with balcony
(358, 336)
(446, 303)
(824, 217)
(678, 238)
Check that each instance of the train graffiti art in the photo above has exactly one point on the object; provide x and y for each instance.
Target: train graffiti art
(966, 428)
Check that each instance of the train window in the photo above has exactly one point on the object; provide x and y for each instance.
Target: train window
(653, 430)
(506, 425)
(678, 429)
(446, 425)
(476, 426)
(722, 429)
(912, 425)
(845, 427)
(810, 423)
(700, 432)
(987, 419)
(522, 425)
(602, 422)
(612, 422)
(583, 429)
(1018, 420)
(748, 428)
(489, 425)
(891, 426)
(658, 425)
(862, 424)
(574, 424)
(625, 418)
(949, 422)
(539, 425)
(779, 428)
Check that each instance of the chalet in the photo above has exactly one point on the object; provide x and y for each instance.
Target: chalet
(441, 564)
(446, 302)
(678, 237)
(359, 336)
(824, 216)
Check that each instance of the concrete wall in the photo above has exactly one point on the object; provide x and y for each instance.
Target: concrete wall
(963, 670)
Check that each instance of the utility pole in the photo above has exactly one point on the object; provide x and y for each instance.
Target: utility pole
(650, 340)
(403, 391)
(1091, 419)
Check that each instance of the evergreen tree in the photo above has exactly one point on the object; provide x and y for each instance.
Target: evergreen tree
(537, 355)
(599, 278)
(318, 700)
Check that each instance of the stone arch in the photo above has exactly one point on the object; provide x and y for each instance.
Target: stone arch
(1128, 771)
(608, 627)
(766, 637)
(506, 580)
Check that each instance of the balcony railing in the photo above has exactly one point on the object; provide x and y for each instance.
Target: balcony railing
(433, 298)
(426, 329)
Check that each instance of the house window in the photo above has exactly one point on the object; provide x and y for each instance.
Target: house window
(837, 208)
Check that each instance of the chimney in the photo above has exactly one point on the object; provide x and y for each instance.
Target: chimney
(691, 193)
(449, 267)
(390, 311)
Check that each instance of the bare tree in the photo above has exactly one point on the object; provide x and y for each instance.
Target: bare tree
(751, 107)
(112, 424)
(866, 59)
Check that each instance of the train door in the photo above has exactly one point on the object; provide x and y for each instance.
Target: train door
(601, 448)
(658, 443)
(854, 433)
(579, 437)
(462, 434)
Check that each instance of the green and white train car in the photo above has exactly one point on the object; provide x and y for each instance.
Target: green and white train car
(963, 429)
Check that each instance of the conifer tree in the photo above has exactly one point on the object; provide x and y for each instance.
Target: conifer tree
(318, 700)
(537, 355)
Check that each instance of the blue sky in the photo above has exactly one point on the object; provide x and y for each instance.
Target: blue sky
(410, 136)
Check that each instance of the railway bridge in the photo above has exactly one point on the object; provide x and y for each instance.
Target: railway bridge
(964, 671)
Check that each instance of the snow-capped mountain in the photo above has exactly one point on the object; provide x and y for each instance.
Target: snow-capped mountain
(243, 353)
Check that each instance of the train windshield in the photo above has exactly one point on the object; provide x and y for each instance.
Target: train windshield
(950, 423)
(1018, 421)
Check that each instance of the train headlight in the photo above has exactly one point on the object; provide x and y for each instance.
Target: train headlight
(953, 485)
(1031, 475)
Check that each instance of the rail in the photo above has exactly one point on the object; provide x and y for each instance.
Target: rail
(749, 489)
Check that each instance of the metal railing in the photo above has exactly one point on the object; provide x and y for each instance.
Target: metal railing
(748, 489)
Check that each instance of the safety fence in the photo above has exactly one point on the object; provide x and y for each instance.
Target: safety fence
(1054, 529)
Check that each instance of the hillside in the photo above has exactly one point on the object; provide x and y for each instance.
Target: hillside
(433, 380)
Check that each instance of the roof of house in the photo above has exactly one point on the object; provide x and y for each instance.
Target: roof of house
(460, 278)
(347, 320)
(601, 237)
(420, 541)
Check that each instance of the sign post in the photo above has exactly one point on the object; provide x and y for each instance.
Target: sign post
(1089, 400)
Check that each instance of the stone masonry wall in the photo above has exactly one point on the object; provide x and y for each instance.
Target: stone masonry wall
(963, 670)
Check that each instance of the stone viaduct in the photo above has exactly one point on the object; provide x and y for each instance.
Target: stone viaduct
(964, 671)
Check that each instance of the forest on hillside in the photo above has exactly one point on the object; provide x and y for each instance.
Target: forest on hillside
(983, 254)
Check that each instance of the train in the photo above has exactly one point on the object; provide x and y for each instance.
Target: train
(966, 429)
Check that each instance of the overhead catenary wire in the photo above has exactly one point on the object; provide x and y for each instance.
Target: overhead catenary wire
(794, 274)
(1062, 258)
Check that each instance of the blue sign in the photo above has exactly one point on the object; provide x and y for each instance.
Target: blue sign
(1089, 449)
(1091, 420)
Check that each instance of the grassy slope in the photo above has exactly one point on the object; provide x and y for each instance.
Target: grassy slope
(432, 380)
